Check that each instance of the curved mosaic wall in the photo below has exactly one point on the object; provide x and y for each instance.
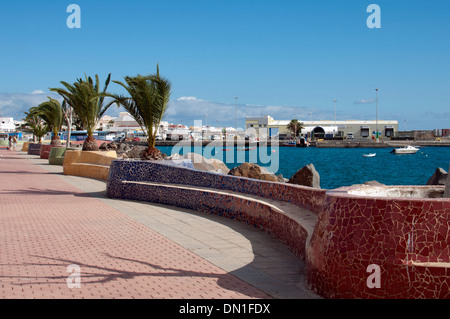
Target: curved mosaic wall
(309, 198)
(406, 240)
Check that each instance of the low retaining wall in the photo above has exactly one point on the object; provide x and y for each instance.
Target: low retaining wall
(349, 238)
(92, 164)
(217, 194)
(306, 197)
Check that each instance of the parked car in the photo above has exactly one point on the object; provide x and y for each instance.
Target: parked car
(136, 139)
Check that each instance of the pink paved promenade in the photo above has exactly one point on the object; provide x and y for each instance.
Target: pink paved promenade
(46, 225)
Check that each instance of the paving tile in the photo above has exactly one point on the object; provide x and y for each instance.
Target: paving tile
(127, 249)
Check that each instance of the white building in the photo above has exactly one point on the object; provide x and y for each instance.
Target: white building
(7, 125)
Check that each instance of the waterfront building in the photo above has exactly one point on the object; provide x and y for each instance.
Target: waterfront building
(7, 124)
(266, 126)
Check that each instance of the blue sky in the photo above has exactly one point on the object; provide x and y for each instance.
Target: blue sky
(282, 58)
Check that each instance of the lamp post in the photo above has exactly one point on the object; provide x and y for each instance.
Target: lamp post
(376, 124)
(334, 111)
(236, 98)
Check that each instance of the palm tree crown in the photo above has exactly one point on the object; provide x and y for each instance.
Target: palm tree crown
(88, 102)
(51, 112)
(295, 127)
(147, 103)
(34, 120)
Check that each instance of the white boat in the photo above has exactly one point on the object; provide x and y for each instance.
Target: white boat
(406, 150)
(370, 155)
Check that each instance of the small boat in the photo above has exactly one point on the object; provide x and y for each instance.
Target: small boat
(370, 155)
(405, 150)
(290, 144)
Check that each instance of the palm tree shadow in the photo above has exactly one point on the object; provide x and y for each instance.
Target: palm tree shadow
(29, 173)
(95, 274)
(54, 192)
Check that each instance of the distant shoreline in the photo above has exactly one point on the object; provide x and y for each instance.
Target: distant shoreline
(323, 144)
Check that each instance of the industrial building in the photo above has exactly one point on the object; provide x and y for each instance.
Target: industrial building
(266, 126)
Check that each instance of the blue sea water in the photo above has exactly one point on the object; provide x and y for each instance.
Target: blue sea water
(337, 166)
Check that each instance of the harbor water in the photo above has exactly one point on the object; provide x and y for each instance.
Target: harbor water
(337, 167)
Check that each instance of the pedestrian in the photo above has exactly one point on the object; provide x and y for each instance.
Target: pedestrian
(14, 143)
(9, 143)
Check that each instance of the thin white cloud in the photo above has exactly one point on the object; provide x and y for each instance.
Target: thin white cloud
(365, 101)
(187, 98)
(37, 92)
(188, 109)
(14, 105)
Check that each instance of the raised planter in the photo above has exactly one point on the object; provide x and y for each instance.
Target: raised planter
(56, 155)
(25, 146)
(46, 148)
(92, 164)
(34, 149)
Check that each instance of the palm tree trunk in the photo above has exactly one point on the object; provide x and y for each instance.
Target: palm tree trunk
(56, 141)
(69, 127)
(90, 144)
(152, 153)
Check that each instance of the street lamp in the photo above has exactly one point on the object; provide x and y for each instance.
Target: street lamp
(334, 111)
(236, 98)
(376, 125)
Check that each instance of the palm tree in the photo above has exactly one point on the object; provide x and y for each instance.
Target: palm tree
(295, 127)
(36, 123)
(88, 102)
(147, 104)
(51, 112)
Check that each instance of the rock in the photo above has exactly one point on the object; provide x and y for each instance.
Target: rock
(373, 183)
(447, 186)
(202, 163)
(136, 152)
(108, 146)
(253, 171)
(439, 177)
(306, 176)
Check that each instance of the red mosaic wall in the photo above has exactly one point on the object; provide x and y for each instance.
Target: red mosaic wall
(408, 239)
